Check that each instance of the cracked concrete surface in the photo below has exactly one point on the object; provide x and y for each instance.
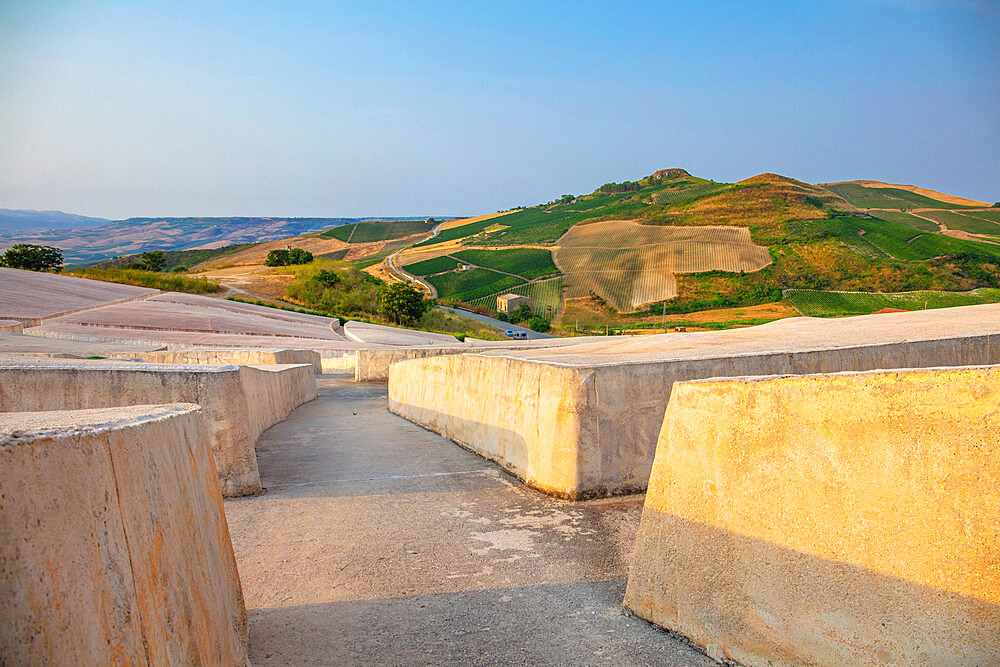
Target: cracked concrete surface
(377, 542)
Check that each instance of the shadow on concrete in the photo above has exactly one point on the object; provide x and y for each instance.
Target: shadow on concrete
(761, 600)
(577, 623)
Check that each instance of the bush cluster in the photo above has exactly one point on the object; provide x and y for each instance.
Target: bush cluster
(285, 257)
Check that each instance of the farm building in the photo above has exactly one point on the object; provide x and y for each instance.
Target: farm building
(508, 303)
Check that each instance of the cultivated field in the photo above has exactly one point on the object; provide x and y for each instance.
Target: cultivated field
(972, 222)
(369, 232)
(545, 293)
(887, 197)
(471, 284)
(816, 303)
(526, 262)
(628, 264)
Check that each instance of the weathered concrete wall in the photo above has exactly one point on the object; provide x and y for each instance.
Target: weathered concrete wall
(588, 428)
(339, 364)
(115, 545)
(239, 402)
(11, 326)
(373, 365)
(222, 356)
(830, 520)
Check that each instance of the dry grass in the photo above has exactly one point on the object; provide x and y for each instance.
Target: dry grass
(630, 265)
(459, 222)
(765, 204)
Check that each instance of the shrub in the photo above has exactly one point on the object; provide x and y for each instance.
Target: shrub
(401, 303)
(299, 256)
(277, 257)
(539, 323)
(32, 257)
(180, 269)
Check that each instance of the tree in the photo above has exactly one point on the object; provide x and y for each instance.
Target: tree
(299, 256)
(538, 323)
(401, 303)
(277, 257)
(521, 313)
(152, 261)
(32, 257)
(180, 269)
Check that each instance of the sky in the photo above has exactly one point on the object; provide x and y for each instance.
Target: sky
(120, 109)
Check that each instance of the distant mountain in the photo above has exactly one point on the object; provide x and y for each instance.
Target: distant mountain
(23, 220)
(92, 242)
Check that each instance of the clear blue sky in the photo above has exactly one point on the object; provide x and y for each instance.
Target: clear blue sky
(121, 109)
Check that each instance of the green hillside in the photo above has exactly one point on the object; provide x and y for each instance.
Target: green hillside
(866, 197)
(823, 238)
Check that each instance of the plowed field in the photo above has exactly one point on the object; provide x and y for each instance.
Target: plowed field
(629, 265)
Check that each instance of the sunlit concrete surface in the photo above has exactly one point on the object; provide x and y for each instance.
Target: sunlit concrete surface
(32, 296)
(582, 420)
(222, 356)
(828, 519)
(378, 542)
(239, 402)
(115, 546)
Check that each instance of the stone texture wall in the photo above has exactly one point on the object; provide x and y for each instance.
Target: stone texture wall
(239, 403)
(835, 519)
(115, 545)
(579, 431)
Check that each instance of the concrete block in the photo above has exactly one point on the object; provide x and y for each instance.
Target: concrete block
(223, 356)
(340, 363)
(11, 326)
(239, 403)
(582, 420)
(836, 519)
(115, 545)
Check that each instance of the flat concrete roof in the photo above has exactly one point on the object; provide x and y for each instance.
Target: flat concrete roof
(54, 423)
(37, 295)
(797, 334)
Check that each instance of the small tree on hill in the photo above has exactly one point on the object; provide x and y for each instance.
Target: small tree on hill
(538, 323)
(401, 303)
(277, 257)
(153, 261)
(521, 314)
(32, 257)
(299, 256)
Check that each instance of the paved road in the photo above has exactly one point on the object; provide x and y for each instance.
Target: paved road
(377, 542)
(500, 324)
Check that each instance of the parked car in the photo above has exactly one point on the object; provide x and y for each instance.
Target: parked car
(510, 333)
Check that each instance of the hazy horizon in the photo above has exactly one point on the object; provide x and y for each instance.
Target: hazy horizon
(192, 110)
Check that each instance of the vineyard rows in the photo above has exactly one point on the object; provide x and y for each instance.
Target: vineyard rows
(545, 293)
(629, 264)
(816, 303)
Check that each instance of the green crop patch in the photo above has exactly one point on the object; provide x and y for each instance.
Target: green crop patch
(433, 265)
(965, 221)
(525, 262)
(817, 303)
(895, 198)
(471, 284)
(907, 219)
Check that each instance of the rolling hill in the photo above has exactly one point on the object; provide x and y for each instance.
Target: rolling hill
(633, 249)
(91, 243)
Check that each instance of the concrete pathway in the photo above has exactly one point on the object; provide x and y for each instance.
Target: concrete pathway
(377, 542)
